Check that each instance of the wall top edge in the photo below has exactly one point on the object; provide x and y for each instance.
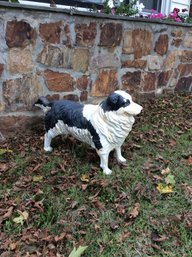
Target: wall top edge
(7, 5)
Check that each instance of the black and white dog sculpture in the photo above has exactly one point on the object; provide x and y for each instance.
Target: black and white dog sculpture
(104, 126)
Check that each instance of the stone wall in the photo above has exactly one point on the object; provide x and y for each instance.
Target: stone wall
(82, 56)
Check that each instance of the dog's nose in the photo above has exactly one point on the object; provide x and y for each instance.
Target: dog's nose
(139, 108)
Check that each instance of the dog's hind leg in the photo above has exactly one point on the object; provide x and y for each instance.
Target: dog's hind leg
(104, 157)
(119, 156)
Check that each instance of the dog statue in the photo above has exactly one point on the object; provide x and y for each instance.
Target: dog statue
(104, 127)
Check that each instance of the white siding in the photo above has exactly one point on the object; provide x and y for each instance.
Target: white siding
(169, 5)
(181, 4)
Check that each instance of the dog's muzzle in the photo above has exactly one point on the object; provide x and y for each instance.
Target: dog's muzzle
(133, 109)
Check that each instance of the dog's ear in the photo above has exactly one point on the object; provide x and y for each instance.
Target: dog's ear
(113, 99)
(42, 100)
(111, 103)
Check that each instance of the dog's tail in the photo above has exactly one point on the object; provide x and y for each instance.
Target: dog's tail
(43, 103)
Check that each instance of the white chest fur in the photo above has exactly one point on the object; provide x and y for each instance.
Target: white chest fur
(110, 126)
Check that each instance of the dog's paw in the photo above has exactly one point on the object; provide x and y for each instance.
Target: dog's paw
(48, 149)
(122, 160)
(107, 171)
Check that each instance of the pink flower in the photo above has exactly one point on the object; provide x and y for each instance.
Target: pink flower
(113, 11)
(160, 15)
(155, 16)
(178, 19)
(171, 16)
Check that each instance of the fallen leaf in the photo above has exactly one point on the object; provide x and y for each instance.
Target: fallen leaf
(3, 151)
(62, 166)
(97, 203)
(156, 247)
(123, 236)
(156, 177)
(172, 142)
(170, 180)
(120, 209)
(8, 214)
(136, 146)
(36, 167)
(60, 237)
(39, 206)
(4, 167)
(78, 252)
(85, 178)
(74, 204)
(165, 171)
(21, 218)
(114, 225)
(25, 214)
(84, 186)
(13, 246)
(188, 189)
(37, 178)
(188, 161)
(134, 212)
(97, 227)
(158, 238)
(164, 189)
(51, 246)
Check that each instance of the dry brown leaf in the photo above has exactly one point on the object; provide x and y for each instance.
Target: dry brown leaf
(135, 211)
(120, 209)
(172, 142)
(165, 171)
(8, 213)
(188, 189)
(60, 237)
(13, 246)
(62, 166)
(97, 204)
(84, 186)
(36, 167)
(97, 227)
(158, 238)
(114, 225)
(39, 206)
(3, 167)
(123, 236)
(188, 161)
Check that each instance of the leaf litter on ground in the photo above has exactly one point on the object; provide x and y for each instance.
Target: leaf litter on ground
(69, 203)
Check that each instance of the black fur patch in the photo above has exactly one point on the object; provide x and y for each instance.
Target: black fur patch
(114, 102)
(71, 113)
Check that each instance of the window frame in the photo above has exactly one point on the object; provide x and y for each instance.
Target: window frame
(74, 3)
(158, 9)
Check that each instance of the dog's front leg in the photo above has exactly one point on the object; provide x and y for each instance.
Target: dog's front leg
(47, 141)
(104, 157)
(119, 156)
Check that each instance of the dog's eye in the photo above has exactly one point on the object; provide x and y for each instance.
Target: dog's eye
(127, 103)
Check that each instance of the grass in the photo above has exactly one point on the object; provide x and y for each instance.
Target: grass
(119, 215)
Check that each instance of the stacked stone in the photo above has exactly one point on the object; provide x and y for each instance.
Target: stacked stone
(82, 56)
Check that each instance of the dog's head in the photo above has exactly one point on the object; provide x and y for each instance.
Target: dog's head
(122, 103)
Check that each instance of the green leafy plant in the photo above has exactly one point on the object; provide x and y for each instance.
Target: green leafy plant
(121, 8)
(78, 252)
